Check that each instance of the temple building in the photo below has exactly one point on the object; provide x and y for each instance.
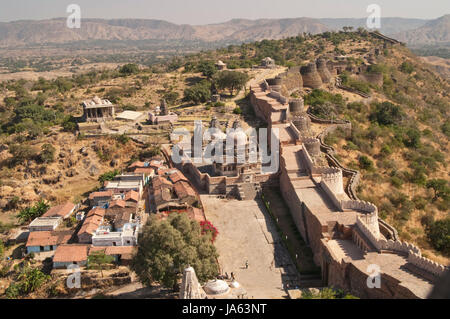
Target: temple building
(162, 115)
(98, 110)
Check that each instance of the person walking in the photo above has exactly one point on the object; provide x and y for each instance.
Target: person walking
(246, 264)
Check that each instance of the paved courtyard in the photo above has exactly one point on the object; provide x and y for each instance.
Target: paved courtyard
(246, 232)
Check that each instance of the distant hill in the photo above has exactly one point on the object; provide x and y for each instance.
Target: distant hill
(54, 31)
(389, 26)
(434, 32)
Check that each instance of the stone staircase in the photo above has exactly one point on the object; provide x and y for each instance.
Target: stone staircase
(248, 191)
(310, 281)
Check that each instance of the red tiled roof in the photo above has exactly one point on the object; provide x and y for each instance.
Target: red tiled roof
(158, 182)
(96, 211)
(71, 253)
(117, 203)
(132, 196)
(107, 193)
(183, 189)
(93, 220)
(177, 176)
(144, 170)
(63, 210)
(48, 238)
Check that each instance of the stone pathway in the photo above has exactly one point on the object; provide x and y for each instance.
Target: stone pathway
(246, 232)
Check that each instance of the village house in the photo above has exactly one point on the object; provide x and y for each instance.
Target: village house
(121, 254)
(125, 183)
(45, 223)
(101, 198)
(90, 225)
(171, 190)
(64, 210)
(66, 255)
(41, 241)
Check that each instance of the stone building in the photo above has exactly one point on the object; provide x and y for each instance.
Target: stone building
(164, 116)
(268, 63)
(98, 110)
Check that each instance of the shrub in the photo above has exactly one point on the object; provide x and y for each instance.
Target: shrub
(47, 153)
(365, 163)
(129, 69)
(199, 93)
(406, 67)
(387, 113)
(438, 233)
(29, 213)
(237, 110)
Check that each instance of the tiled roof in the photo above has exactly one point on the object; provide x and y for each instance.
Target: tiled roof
(93, 220)
(144, 170)
(117, 203)
(48, 238)
(63, 210)
(107, 193)
(183, 189)
(71, 253)
(96, 211)
(159, 181)
(176, 176)
(132, 196)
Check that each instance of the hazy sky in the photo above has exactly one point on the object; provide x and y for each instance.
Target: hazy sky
(211, 11)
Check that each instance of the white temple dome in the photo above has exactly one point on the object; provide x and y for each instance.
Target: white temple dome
(216, 287)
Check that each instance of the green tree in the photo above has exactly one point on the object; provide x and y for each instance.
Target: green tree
(387, 113)
(199, 93)
(129, 69)
(440, 187)
(167, 247)
(22, 152)
(29, 213)
(230, 80)
(108, 176)
(438, 233)
(99, 260)
(365, 163)
(208, 68)
(47, 153)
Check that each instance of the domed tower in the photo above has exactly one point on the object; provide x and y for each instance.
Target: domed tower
(296, 106)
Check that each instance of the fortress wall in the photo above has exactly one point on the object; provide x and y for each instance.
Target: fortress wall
(294, 203)
(373, 78)
(426, 264)
(323, 70)
(310, 76)
(331, 194)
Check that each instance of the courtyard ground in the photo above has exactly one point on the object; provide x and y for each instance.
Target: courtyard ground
(246, 232)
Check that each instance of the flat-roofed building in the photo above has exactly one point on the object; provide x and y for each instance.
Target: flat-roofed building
(45, 223)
